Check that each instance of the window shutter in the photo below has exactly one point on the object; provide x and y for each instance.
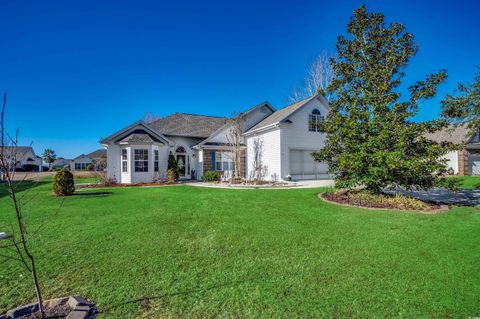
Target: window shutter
(212, 156)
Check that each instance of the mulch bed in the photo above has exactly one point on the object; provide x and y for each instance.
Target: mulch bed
(343, 198)
(60, 308)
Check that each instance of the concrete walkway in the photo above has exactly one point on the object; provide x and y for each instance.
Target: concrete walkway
(288, 185)
(464, 197)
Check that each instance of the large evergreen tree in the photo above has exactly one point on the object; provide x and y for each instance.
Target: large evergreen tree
(372, 140)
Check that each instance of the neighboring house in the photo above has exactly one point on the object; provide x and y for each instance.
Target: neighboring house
(25, 157)
(467, 160)
(276, 144)
(60, 163)
(98, 158)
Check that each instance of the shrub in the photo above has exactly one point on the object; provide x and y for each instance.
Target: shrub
(63, 184)
(173, 165)
(210, 176)
(172, 175)
(90, 167)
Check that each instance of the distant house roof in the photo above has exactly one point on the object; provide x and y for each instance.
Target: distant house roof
(456, 134)
(100, 153)
(188, 125)
(61, 161)
(282, 114)
(21, 151)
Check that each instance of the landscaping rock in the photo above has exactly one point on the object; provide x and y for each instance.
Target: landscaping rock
(73, 307)
(22, 311)
(75, 301)
(55, 302)
(77, 314)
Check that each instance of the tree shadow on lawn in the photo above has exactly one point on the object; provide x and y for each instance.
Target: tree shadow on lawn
(92, 194)
(145, 301)
(20, 186)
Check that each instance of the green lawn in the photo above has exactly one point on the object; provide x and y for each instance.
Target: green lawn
(469, 181)
(180, 251)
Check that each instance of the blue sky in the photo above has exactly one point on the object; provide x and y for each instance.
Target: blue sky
(76, 71)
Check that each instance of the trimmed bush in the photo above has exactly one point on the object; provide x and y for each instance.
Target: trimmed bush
(90, 167)
(173, 165)
(210, 176)
(63, 184)
(172, 175)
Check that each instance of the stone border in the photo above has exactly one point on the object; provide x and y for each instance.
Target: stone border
(80, 308)
(442, 209)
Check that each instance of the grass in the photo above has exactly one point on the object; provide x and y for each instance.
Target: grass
(180, 251)
(469, 181)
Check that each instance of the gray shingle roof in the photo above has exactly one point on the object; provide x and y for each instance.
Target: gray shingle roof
(189, 125)
(281, 114)
(100, 153)
(457, 134)
(21, 151)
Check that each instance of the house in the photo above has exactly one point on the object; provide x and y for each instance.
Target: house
(467, 160)
(60, 163)
(24, 157)
(97, 158)
(276, 144)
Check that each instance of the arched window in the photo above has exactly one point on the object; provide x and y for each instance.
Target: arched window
(180, 149)
(315, 121)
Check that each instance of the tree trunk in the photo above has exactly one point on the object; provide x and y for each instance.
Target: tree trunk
(37, 290)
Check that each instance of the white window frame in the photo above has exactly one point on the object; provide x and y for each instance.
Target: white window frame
(314, 119)
(140, 157)
(224, 161)
(124, 160)
(155, 160)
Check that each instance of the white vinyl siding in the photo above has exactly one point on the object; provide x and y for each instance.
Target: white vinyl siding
(452, 161)
(268, 144)
(297, 137)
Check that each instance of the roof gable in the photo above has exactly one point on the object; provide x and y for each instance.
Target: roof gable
(140, 125)
(283, 114)
(246, 116)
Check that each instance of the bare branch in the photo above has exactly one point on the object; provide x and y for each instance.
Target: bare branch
(319, 77)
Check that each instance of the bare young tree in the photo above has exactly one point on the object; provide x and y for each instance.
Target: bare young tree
(16, 243)
(235, 143)
(259, 169)
(319, 76)
(150, 118)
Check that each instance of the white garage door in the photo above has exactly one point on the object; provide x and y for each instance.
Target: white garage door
(474, 166)
(303, 166)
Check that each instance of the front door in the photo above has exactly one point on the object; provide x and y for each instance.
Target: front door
(181, 165)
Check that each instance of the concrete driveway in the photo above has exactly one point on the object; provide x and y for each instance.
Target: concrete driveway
(464, 197)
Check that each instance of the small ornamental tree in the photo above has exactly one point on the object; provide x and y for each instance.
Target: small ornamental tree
(49, 156)
(372, 140)
(63, 183)
(173, 166)
(465, 106)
